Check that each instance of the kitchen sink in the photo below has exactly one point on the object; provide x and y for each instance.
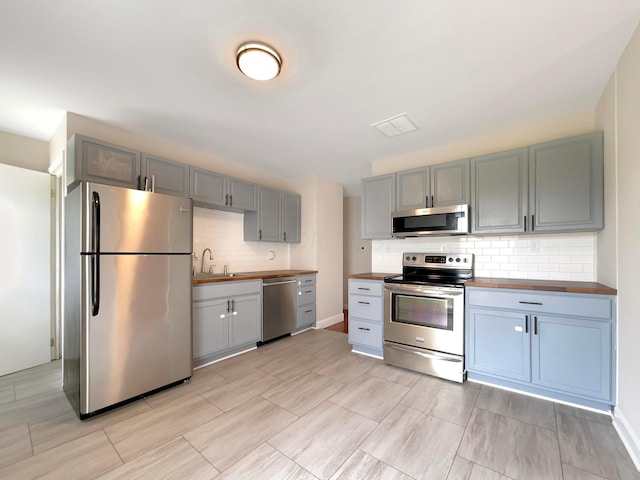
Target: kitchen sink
(216, 275)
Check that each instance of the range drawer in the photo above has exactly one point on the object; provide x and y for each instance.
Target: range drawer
(573, 304)
(362, 306)
(364, 287)
(306, 294)
(365, 333)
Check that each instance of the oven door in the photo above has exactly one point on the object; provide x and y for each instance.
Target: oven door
(428, 317)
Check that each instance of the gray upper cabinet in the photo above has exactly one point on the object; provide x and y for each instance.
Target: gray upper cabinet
(450, 183)
(413, 189)
(269, 219)
(291, 216)
(242, 195)
(551, 187)
(277, 218)
(499, 192)
(96, 161)
(378, 202)
(169, 177)
(566, 184)
(210, 189)
(207, 188)
(434, 186)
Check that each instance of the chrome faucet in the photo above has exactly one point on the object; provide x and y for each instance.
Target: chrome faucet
(202, 259)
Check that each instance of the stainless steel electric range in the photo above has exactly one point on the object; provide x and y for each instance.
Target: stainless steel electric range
(424, 314)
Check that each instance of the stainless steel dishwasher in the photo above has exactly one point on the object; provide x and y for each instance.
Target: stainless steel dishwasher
(278, 307)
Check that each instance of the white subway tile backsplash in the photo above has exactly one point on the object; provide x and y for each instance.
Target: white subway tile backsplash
(223, 233)
(561, 257)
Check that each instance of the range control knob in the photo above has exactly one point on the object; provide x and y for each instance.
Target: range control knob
(465, 260)
(408, 258)
(458, 259)
(413, 258)
(450, 259)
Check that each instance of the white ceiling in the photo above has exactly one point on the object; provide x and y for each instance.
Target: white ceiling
(166, 69)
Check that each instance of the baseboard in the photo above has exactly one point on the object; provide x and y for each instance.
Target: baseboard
(327, 322)
(628, 436)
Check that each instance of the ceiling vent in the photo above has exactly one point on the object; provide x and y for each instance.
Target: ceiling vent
(396, 125)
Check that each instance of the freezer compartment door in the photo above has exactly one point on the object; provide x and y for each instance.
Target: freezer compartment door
(140, 338)
(123, 220)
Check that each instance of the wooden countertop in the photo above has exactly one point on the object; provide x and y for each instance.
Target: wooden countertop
(543, 285)
(371, 275)
(254, 276)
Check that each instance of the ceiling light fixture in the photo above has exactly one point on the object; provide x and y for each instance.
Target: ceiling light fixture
(258, 61)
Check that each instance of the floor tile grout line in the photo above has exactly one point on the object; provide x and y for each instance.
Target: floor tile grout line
(199, 452)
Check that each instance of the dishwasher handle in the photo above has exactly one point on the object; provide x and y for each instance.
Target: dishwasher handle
(277, 283)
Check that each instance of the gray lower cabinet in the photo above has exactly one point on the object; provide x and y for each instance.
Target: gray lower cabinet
(306, 302)
(277, 218)
(550, 187)
(378, 202)
(92, 160)
(366, 316)
(167, 176)
(560, 345)
(226, 319)
(211, 189)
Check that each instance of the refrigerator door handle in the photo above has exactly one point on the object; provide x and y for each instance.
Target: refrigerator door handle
(95, 258)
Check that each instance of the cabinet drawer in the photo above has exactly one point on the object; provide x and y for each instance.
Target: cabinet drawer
(306, 316)
(364, 287)
(365, 307)
(226, 289)
(365, 333)
(306, 280)
(574, 304)
(306, 295)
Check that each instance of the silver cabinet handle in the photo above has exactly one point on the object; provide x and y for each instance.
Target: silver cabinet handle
(530, 303)
(364, 303)
(364, 288)
(363, 328)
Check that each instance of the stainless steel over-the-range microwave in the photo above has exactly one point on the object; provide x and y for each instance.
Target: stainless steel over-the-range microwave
(451, 220)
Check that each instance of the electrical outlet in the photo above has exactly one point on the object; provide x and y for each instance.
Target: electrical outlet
(534, 246)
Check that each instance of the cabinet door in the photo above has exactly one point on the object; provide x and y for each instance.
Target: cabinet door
(208, 188)
(566, 184)
(498, 343)
(243, 195)
(572, 355)
(378, 201)
(450, 183)
(412, 189)
(499, 192)
(244, 320)
(210, 328)
(291, 217)
(100, 162)
(171, 178)
(269, 221)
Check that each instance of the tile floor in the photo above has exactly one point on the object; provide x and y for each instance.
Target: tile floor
(304, 408)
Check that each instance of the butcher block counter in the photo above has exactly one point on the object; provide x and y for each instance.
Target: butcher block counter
(210, 278)
(542, 285)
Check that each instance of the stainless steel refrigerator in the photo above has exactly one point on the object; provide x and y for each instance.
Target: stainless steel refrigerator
(127, 294)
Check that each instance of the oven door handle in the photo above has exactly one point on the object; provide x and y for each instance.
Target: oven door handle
(425, 291)
(424, 355)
